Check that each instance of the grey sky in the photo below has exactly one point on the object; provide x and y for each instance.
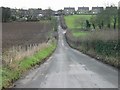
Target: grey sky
(55, 4)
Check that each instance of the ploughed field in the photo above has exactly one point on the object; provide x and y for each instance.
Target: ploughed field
(25, 33)
(25, 44)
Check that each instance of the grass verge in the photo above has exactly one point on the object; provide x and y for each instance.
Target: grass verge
(9, 75)
(99, 45)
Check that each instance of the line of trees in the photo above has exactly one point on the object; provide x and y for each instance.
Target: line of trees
(106, 19)
(6, 14)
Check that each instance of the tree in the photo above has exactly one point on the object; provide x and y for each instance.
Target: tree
(119, 18)
(106, 18)
(88, 25)
(80, 22)
(93, 21)
(6, 13)
(13, 18)
(48, 13)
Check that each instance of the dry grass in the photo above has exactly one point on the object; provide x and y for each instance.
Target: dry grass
(35, 56)
(16, 54)
(102, 45)
(101, 35)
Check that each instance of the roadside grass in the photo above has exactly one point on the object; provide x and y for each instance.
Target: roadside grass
(79, 34)
(9, 75)
(102, 45)
(76, 21)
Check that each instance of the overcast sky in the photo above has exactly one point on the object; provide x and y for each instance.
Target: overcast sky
(55, 4)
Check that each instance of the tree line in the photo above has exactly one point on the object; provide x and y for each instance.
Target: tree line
(106, 19)
(7, 15)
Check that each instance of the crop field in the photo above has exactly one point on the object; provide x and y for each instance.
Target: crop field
(21, 37)
(25, 33)
(76, 21)
(25, 44)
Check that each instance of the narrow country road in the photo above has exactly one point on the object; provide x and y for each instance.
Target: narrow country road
(69, 68)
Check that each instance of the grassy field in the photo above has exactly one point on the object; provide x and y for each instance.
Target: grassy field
(76, 21)
(79, 34)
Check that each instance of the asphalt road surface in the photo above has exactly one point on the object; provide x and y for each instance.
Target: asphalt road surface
(69, 68)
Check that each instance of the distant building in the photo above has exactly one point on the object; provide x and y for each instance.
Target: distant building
(55, 13)
(111, 8)
(34, 12)
(69, 10)
(13, 12)
(60, 12)
(96, 10)
(19, 14)
(83, 10)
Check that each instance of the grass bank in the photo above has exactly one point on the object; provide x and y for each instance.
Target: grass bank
(102, 45)
(11, 74)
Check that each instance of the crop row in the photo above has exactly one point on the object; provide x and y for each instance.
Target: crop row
(17, 34)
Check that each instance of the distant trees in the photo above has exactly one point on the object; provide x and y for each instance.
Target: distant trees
(25, 15)
(106, 19)
(119, 18)
(62, 22)
(54, 23)
(93, 21)
(88, 24)
(0, 14)
(6, 14)
(48, 14)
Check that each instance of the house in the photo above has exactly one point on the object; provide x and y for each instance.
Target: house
(112, 8)
(96, 10)
(61, 12)
(69, 10)
(19, 13)
(83, 10)
(58, 12)
(55, 13)
(34, 12)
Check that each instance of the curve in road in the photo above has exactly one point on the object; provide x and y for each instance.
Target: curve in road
(69, 68)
